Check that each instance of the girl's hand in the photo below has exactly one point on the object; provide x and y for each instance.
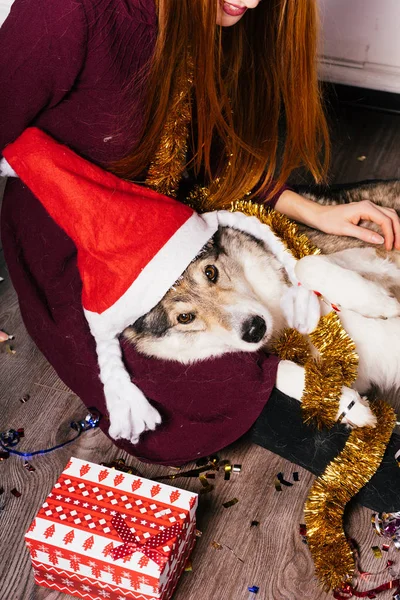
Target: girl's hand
(344, 219)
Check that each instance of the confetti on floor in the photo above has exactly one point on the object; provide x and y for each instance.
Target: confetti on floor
(230, 503)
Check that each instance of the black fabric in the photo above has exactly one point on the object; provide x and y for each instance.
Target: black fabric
(281, 430)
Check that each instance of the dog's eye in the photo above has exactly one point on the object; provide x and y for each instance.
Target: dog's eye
(211, 273)
(186, 318)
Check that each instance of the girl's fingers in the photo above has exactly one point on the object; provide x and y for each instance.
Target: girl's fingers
(364, 234)
(384, 218)
(392, 214)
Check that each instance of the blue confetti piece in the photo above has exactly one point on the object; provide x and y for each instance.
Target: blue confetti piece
(253, 589)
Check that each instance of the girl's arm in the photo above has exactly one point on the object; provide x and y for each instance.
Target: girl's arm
(42, 49)
(343, 219)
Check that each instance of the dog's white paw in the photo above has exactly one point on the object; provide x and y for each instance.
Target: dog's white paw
(131, 414)
(346, 288)
(386, 307)
(358, 414)
(301, 308)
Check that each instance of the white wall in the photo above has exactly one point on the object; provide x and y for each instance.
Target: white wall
(361, 43)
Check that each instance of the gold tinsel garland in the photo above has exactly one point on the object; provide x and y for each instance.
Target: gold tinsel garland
(365, 447)
(342, 479)
(336, 366)
(165, 172)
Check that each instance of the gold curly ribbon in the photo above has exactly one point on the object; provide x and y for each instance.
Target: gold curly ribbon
(336, 366)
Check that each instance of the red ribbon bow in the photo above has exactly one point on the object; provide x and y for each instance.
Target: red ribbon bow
(149, 547)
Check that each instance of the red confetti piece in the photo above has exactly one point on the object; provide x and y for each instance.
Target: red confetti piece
(30, 468)
(347, 591)
(303, 529)
(16, 493)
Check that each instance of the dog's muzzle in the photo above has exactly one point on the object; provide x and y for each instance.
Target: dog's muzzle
(253, 330)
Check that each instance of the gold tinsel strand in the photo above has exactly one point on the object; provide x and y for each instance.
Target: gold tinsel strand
(291, 345)
(342, 479)
(298, 243)
(322, 388)
(364, 450)
(333, 342)
(165, 172)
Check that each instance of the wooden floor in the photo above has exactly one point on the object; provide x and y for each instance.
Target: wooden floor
(271, 555)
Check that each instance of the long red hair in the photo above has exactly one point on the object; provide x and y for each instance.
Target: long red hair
(248, 79)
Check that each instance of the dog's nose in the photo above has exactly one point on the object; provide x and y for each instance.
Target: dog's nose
(253, 330)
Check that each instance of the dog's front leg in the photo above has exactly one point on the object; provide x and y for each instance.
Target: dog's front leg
(291, 381)
(346, 288)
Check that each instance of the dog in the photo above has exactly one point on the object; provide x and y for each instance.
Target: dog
(236, 296)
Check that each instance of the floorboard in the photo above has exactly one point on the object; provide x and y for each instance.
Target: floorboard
(272, 555)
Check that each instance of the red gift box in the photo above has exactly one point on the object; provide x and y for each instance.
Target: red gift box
(106, 535)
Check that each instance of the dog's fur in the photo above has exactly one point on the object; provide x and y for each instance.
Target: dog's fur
(240, 307)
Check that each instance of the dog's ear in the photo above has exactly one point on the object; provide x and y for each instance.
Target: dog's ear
(212, 247)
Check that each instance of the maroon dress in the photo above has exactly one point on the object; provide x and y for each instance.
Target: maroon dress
(64, 66)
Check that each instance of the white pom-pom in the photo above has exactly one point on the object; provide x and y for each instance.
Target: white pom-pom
(6, 170)
(131, 414)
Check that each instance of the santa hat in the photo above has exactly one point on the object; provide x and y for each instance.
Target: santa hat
(132, 245)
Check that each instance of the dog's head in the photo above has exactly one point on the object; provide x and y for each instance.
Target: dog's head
(226, 300)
